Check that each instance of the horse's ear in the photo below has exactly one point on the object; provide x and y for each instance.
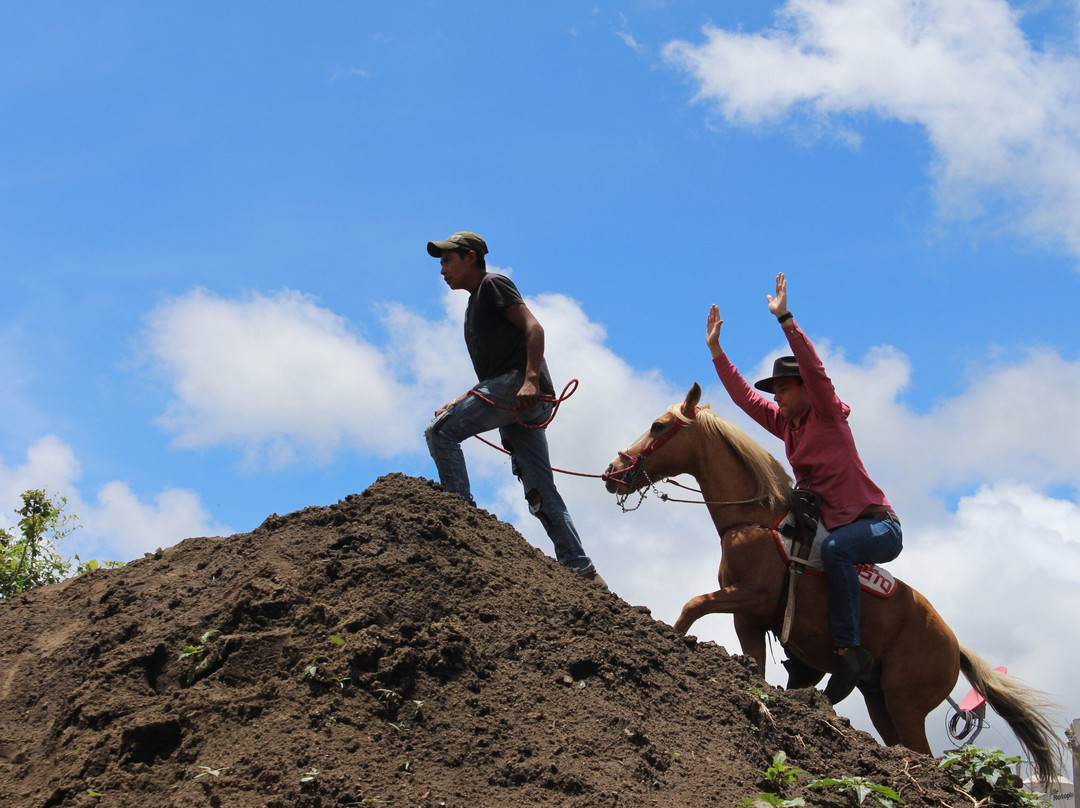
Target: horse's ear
(692, 398)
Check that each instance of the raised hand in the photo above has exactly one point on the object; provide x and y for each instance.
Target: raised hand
(778, 304)
(712, 330)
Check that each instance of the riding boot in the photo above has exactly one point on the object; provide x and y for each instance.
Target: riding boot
(851, 664)
(800, 674)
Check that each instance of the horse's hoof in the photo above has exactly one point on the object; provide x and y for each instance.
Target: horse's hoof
(800, 674)
(851, 664)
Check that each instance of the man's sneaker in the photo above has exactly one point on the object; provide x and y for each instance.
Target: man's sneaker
(851, 664)
(594, 576)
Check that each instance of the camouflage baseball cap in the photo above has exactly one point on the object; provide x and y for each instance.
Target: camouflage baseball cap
(456, 242)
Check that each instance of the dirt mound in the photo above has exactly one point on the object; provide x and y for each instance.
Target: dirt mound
(398, 648)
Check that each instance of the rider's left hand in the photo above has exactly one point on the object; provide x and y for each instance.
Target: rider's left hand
(778, 304)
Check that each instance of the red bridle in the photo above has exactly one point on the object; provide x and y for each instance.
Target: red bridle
(627, 475)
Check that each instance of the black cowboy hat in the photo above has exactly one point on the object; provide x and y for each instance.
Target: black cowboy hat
(786, 367)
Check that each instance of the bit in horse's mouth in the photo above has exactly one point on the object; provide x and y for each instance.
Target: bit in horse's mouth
(621, 481)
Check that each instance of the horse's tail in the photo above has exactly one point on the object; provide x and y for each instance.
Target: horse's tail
(1022, 707)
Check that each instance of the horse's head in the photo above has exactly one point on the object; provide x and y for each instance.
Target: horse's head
(636, 465)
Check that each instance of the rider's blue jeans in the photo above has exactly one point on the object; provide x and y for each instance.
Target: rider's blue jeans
(529, 458)
(864, 541)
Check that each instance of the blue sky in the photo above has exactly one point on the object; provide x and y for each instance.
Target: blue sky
(218, 304)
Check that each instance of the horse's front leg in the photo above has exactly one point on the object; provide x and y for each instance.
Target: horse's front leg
(696, 608)
(736, 598)
(751, 635)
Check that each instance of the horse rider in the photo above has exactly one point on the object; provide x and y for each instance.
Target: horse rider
(813, 423)
(514, 393)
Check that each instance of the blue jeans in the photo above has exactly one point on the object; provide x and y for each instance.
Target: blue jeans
(529, 458)
(864, 541)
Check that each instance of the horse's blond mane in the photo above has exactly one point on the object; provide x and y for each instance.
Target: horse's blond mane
(773, 481)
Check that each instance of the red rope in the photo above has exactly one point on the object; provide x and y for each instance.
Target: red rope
(571, 386)
(569, 390)
(553, 468)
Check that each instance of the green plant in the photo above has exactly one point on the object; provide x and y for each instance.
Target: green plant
(770, 799)
(207, 770)
(196, 650)
(312, 668)
(389, 698)
(94, 564)
(1029, 798)
(982, 773)
(194, 654)
(309, 775)
(780, 775)
(971, 766)
(858, 789)
(768, 699)
(31, 559)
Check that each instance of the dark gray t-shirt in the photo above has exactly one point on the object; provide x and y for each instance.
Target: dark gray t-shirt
(495, 344)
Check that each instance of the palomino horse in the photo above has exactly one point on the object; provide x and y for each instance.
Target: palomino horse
(917, 657)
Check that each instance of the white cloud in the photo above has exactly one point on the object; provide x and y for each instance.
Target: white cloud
(628, 39)
(118, 526)
(1000, 115)
(134, 527)
(50, 463)
(1002, 571)
(1014, 422)
(279, 376)
(351, 73)
(430, 353)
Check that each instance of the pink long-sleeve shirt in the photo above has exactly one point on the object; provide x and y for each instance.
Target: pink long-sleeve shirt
(821, 450)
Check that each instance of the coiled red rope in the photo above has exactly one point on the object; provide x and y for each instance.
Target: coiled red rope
(569, 390)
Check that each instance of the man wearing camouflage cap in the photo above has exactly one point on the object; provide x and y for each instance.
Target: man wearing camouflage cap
(514, 393)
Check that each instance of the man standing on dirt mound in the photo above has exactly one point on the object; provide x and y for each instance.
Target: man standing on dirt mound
(514, 393)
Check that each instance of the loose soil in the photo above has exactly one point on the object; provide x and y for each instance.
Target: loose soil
(398, 648)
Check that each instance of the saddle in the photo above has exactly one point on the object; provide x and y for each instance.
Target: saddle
(798, 539)
(806, 556)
